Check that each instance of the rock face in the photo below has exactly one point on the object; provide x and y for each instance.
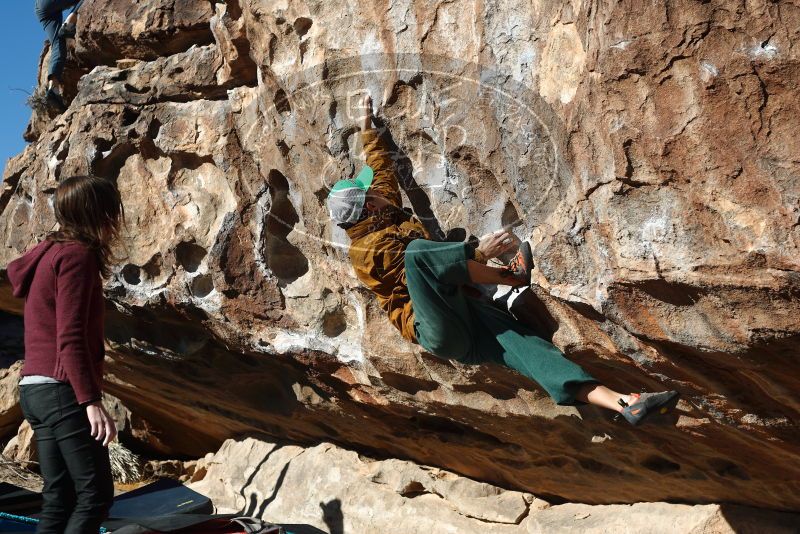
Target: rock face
(10, 411)
(21, 448)
(339, 491)
(648, 152)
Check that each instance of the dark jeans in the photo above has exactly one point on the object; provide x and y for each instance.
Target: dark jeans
(451, 325)
(50, 15)
(78, 487)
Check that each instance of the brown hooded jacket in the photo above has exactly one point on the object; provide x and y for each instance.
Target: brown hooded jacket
(378, 242)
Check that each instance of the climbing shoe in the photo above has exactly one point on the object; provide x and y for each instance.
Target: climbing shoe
(643, 405)
(54, 99)
(520, 267)
(67, 31)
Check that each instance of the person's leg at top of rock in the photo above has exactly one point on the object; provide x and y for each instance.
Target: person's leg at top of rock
(50, 14)
(420, 283)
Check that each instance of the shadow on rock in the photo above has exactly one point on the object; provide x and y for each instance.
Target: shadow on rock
(332, 515)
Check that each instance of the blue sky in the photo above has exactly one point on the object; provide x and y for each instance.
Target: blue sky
(21, 40)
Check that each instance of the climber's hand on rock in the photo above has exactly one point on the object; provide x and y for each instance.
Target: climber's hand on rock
(497, 243)
(366, 110)
(101, 424)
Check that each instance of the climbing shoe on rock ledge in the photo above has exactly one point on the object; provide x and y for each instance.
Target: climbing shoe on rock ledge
(643, 405)
(67, 31)
(54, 100)
(520, 267)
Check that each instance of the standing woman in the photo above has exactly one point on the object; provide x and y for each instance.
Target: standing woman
(60, 392)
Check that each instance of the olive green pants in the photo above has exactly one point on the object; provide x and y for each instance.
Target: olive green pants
(451, 325)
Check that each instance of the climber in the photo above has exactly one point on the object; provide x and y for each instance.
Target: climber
(424, 286)
(60, 392)
(50, 15)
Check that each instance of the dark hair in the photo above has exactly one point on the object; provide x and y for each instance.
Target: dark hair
(89, 210)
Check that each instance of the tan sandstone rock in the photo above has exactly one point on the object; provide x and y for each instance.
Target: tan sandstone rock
(10, 411)
(340, 491)
(647, 150)
(657, 518)
(22, 447)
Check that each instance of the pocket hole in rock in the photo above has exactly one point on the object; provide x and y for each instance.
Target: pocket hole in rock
(132, 274)
(659, 465)
(282, 102)
(283, 147)
(726, 468)
(110, 166)
(413, 489)
(137, 90)
(202, 285)
(129, 116)
(303, 49)
(103, 145)
(284, 259)
(510, 216)
(153, 267)
(154, 129)
(190, 255)
(327, 430)
(334, 323)
(302, 25)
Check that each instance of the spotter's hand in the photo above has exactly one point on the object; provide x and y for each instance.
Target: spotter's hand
(101, 424)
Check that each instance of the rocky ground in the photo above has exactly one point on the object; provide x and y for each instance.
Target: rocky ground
(335, 490)
(340, 491)
(647, 151)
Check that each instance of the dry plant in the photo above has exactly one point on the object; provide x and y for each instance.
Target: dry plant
(125, 466)
(17, 474)
(37, 101)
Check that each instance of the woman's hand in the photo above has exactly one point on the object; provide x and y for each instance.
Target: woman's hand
(103, 427)
(497, 243)
(366, 107)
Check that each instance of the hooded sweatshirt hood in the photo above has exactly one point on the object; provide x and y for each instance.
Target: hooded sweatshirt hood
(21, 270)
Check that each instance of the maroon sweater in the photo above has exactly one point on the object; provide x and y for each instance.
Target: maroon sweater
(64, 308)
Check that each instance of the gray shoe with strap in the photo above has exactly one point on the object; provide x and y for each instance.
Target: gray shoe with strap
(643, 405)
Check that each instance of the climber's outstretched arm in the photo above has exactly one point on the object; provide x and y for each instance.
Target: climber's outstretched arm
(379, 157)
